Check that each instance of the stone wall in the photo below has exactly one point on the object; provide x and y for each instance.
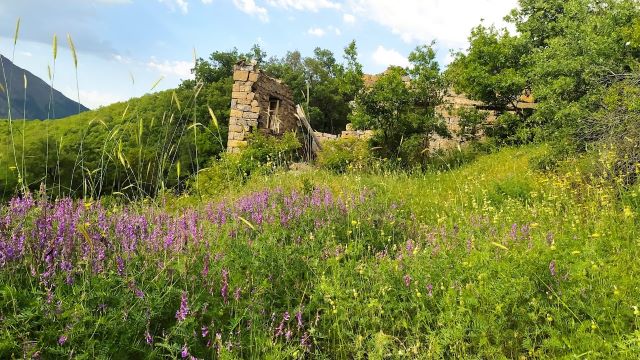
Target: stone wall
(258, 103)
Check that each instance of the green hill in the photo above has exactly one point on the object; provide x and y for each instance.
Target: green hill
(135, 146)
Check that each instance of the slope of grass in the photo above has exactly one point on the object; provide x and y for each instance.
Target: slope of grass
(491, 260)
(131, 147)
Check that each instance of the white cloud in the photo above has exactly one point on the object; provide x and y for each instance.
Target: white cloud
(94, 99)
(348, 18)
(335, 30)
(447, 21)
(183, 5)
(181, 69)
(319, 32)
(250, 7)
(386, 57)
(306, 5)
(207, 1)
(114, 1)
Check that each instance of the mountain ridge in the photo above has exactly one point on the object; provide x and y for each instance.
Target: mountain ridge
(34, 104)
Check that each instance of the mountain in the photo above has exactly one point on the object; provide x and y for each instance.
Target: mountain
(37, 96)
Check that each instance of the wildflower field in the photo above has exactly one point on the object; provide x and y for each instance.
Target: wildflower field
(490, 260)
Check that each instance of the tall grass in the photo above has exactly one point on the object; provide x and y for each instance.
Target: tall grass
(149, 177)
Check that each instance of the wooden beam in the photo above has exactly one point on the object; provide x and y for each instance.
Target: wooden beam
(303, 119)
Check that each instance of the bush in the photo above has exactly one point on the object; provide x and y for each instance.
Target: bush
(615, 131)
(345, 154)
(263, 155)
(471, 123)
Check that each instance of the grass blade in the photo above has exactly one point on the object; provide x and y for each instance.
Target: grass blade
(73, 51)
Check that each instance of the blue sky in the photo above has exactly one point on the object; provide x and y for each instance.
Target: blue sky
(146, 40)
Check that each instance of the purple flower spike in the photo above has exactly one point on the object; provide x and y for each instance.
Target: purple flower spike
(185, 352)
(148, 338)
(407, 280)
(181, 314)
(62, 339)
(552, 268)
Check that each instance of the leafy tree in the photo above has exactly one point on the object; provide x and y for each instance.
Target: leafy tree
(401, 104)
(493, 69)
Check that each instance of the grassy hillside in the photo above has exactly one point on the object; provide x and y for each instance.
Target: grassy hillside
(492, 260)
(132, 146)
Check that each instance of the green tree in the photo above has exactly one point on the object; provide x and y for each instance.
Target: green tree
(400, 105)
(492, 70)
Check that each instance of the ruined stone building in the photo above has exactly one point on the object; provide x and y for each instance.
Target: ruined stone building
(258, 103)
(264, 104)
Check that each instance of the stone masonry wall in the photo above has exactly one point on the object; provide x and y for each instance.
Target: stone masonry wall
(258, 102)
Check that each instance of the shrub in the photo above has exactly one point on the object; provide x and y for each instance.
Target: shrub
(471, 121)
(345, 154)
(264, 154)
(615, 131)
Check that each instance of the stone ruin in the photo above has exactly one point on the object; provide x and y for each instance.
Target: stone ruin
(264, 104)
(258, 103)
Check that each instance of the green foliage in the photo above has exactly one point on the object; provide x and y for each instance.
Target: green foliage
(492, 70)
(510, 263)
(568, 53)
(615, 130)
(346, 154)
(133, 147)
(401, 103)
(471, 123)
(263, 156)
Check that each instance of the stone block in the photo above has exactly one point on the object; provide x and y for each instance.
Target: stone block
(253, 76)
(240, 75)
(235, 113)
(238, 95)
(244, 101)
(236, 128)
(250, 115)
(237, 144)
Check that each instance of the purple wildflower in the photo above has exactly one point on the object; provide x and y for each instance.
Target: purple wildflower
(304, 340)
(181, 314)
(205, 331)
(299, 318)
(550, 238)
(407, 280)
(120, 265)
(139, 293)
(148, 338)
(288, 334)
(224, 291)
(185, 351)
(62, 339)
(430, 290)
(552, 268)
(514, 231)
(236, 294)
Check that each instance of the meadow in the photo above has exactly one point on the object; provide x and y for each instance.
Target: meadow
(490, 260)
